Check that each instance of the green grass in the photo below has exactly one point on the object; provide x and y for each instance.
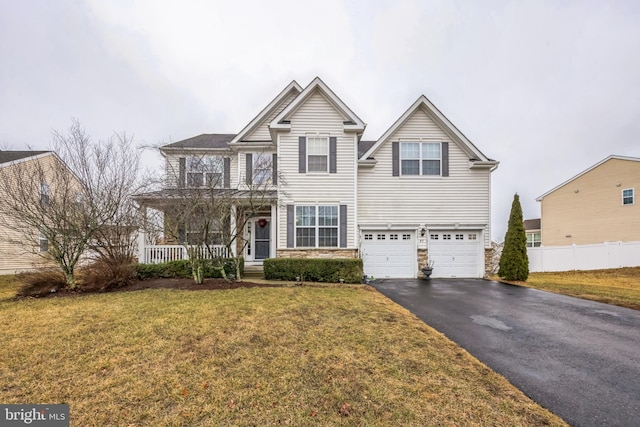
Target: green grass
(614, 286)
(260, 356)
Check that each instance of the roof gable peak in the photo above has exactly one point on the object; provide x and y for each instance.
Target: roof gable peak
(423, 103)
(262, 115)
(281, 121)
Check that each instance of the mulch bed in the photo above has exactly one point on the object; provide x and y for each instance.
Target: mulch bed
(137, 285)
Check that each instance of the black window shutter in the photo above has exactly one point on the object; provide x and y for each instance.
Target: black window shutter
(274, 169)
(290, 227)
(302, 154)
(333, 156)
(182, 172)
(445, 159)
(395, 156)
(249, 161)
(227, 172)
(343, 226)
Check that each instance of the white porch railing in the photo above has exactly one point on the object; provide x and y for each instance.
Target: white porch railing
(164, 253)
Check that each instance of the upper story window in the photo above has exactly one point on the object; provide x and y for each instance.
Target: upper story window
(45, 194)
(627, 196)
(318, 154)
(420, 158)
(205, 172)
(317, 226)
(262, 168)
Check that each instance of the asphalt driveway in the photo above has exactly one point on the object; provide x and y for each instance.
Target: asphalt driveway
(579, 359)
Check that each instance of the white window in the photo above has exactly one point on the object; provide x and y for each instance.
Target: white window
(446, 237)
(472, 236)
(205, 171)
(317, 226)
(318, 154)
(381, 236)
(627, 196)
(459, 236)
(393, 237)
(420, 158)
(45, 194)
(43, 243)
(434, 236)
(368, 237)
(533, 240)
(262, 170)
(406, 237)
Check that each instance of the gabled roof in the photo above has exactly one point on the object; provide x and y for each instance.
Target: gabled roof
(268, 110)
(281, 122)
(204, 141)
(12, 156)
(423, 103)
(613, 156)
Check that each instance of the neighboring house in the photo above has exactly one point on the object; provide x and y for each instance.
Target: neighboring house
(532, 230)
(422, 187)
(597, 205)
(15, 256)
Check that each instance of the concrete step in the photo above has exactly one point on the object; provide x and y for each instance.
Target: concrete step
(253, 272)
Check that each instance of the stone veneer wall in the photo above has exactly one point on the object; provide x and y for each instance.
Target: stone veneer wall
(492, 259)
(317, 253)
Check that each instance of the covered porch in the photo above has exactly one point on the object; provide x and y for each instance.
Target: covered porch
(242, 228)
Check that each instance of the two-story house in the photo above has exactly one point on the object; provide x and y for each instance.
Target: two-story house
(21, 248)
(422, 189)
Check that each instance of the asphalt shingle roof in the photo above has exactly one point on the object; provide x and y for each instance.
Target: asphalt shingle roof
(206, 140)
(11, 156)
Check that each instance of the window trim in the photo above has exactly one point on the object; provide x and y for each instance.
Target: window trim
(420, 158)
(45, 194)
(43, 243)
(632, 197)
(317, 226)
(207, 170)
(255, 156)
(327, 155)
(531, 241)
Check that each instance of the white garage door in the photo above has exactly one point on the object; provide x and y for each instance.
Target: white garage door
(389, 254)
(456, 253)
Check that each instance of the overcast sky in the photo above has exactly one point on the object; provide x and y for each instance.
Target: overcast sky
(548, 88)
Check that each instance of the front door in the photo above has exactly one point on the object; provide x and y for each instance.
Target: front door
(261, 238)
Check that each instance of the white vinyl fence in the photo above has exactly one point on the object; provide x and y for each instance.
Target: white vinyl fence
(584, 257)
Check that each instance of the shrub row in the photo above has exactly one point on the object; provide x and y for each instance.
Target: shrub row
(175, 269)
(314, 270)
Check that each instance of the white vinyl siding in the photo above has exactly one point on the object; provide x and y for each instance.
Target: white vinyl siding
(261, 133)
(316, 116)
(463, 197)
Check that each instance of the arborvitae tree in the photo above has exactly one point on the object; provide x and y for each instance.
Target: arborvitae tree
(514, 262)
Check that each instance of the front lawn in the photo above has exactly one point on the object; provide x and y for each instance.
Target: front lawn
(614, 286)
(257, 356)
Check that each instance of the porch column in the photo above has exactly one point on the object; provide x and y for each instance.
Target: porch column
(273, 225)
(234, 231)
(142, 236)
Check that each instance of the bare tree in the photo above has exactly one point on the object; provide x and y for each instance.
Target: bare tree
(205, 216)
(79, 200)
